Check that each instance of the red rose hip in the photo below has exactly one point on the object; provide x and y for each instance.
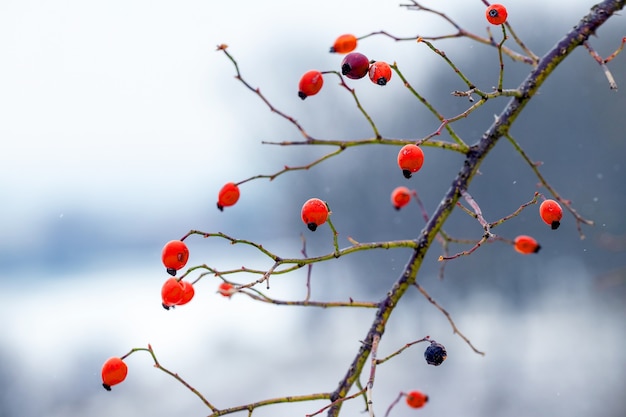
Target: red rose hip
(314, 213)
(310, 84)
(355, 65)
(410, 159)
(380, 73)
(344, 44)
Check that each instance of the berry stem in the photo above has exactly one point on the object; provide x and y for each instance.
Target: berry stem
(501, 75)
(357, 101)
(455, 329)
(402, 349)
(568, 205)
(444, 122)
(309, 269)
(616, 52)
(173, 375)
(370, 381)
(449, 62)
(280, 400)
(602, 63)
(534, 58)
(257, 91)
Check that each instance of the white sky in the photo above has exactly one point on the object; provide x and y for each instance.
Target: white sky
(104, 98)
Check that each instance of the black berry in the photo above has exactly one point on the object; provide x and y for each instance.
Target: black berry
(435, 354)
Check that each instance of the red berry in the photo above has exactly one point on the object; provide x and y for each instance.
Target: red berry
(314, 213)
(551, 213)
(174, 256)
(344, 44)
(226, 289)
(380, 72)
(496, 14)
(228, 196)
(114, 371)
(416, 399)
(172, 293)
(526, 245)
(400, 197)
(355, 65)
(310, 84)
(188, 293)
(410, 159)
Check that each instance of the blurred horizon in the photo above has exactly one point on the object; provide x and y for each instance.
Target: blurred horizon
(121, 122)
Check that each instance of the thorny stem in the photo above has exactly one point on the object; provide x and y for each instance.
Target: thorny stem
(370, 381)
(308, 271)
(432, 109)
(449, 62)
(455, 329)
(286, 168)
(357, 101)
(616, 52)
(402, 349)
(488, 236)
(501, 76)
(375, 141)
(308, 303)
(295, 263)
(529, 53)
(602, 63)
(567, 203)
(172, 374)
(257, 91)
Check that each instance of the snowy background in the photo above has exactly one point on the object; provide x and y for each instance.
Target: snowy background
(119, 123)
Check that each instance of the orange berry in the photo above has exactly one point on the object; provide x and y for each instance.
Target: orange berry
(344, 44)
(416, 399)
(114, 371)
(526, 245)
(171, 293)
(310, 84)
(228, 196)
(496, 14)
(314, 213)
(380, 73)
(188, 293)
(226, 289)
(551, 213)
(400, 197)
(410, 159)
(174, 256)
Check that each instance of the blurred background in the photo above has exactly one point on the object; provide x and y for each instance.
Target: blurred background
(120, 122)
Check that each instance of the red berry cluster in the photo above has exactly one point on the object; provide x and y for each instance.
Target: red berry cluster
(175, 255)
(354, 65)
